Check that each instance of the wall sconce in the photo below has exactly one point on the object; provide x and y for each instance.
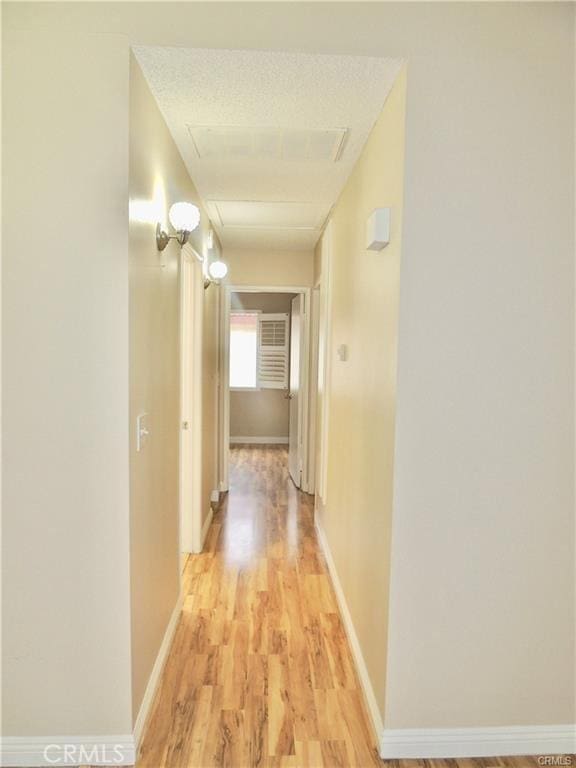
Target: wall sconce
(216, 271)
(184, 217)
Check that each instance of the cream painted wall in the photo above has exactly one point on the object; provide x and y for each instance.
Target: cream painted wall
(158, 174)
(270, 268)
(65, 566)
(484, 466)
(118, 318)
(265, 302)
(263, 413)
(357, 514)
(317, 263)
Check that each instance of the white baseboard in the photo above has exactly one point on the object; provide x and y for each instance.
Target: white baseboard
(418, 743)
(156, 674)
(215, 496)
(32, 752)
(259, 440)
(369, 695)
(206, 525)
(478, 742)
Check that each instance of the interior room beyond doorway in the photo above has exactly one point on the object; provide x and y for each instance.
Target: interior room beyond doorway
(259, 367)
(265, 394)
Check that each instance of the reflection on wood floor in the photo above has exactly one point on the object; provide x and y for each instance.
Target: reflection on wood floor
(260, 672)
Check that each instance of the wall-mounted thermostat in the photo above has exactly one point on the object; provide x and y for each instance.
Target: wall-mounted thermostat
(378, 229)
(342, 352)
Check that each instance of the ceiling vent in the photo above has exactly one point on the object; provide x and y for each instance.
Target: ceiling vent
(289, 144)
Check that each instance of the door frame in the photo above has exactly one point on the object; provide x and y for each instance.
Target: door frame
(224, 362)
(190, 411)
(299, 482)
(324, 363)
(313, 441)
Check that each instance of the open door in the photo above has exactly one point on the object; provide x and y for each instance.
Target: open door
(295, 439)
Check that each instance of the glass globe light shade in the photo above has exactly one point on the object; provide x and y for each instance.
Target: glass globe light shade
(218, 270)
(184, 217)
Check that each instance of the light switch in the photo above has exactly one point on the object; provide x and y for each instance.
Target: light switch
(142, 431)
(342, 353)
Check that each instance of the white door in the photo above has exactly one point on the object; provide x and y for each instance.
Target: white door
(294, 447)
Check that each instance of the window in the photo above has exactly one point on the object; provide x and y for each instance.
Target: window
(273, 352)
(244, 350)
(258, 350)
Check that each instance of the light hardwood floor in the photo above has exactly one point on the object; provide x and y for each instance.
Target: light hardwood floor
(260, 672)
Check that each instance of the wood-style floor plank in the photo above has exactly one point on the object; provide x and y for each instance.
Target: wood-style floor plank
(260, 673)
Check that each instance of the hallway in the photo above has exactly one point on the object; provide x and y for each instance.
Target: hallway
(260, 673)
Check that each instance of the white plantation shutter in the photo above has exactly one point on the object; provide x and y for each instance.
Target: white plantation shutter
(273, 351)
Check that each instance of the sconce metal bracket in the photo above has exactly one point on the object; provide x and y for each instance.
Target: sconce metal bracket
(163, 238)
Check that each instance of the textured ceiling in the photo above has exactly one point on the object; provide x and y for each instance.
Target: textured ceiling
(266, 97)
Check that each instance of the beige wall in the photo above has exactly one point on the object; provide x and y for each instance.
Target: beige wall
(484, 467)
(157, 173)
(265, 302)
(357, 514)
(100, 347)
(270, 268)
(317, 263)
(65, 566)
(264, 413)
(259, 414)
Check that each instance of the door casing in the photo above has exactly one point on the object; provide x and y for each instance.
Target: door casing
(191, 315)
(313, 413)
(224, 378)
(295, 446)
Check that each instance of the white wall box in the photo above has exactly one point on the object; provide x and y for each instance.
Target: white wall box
(378, 229)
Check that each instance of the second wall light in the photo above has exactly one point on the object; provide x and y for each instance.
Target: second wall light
(185, 218)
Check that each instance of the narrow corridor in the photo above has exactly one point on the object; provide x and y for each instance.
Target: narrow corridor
(260, 672)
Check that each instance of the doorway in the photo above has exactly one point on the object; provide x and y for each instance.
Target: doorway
(294, 392)
(265, 342)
